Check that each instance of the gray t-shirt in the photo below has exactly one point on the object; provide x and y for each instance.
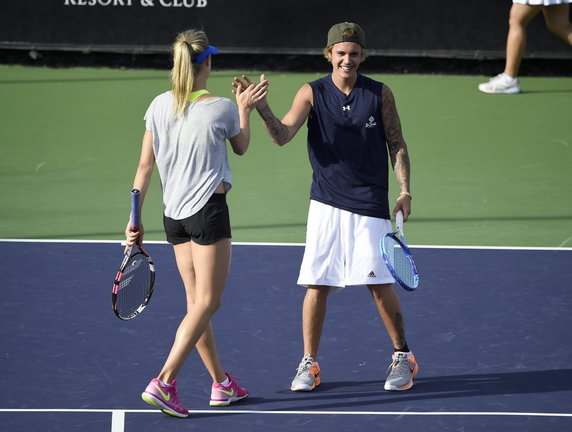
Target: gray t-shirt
(190, 151)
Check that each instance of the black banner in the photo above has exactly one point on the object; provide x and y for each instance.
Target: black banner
(437, 28)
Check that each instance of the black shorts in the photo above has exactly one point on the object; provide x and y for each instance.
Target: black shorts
(209, 225)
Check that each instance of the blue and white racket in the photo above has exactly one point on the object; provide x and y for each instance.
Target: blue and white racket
(135, 279)
(397, 256)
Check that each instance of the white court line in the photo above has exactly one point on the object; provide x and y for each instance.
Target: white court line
(118, 421)
(119, 413)
(120, 242)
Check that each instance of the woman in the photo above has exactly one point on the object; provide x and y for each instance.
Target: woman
(186, 133)
(522, 13)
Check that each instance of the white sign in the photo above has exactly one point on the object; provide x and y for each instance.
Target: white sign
(144, 3)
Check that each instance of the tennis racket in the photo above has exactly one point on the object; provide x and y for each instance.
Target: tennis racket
(397, 256)
(135, 279)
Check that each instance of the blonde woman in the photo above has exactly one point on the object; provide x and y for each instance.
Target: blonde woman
(186, 133)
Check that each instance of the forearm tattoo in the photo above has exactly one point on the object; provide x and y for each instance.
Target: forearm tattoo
(278, 131)
(396, 144)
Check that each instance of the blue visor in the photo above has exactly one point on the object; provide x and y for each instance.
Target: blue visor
(201, 57)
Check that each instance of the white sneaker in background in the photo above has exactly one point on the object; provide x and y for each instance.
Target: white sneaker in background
(501, 84)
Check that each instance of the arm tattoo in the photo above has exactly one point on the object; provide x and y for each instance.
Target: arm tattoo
(395, 143)
(276, 129)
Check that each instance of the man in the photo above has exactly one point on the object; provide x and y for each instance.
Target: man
(352, 125)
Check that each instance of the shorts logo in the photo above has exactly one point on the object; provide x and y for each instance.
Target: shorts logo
(371, 274)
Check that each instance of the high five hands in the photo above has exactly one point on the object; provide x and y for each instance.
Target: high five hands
(245, 88)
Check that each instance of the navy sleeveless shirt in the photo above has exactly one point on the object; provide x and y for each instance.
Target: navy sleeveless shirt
(347, 147)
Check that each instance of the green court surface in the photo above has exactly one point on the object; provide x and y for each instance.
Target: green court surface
(486, 170)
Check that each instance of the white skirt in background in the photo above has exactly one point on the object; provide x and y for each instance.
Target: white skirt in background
(542, 2)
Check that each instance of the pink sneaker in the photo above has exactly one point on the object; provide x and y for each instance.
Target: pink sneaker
(164, 397)
(224, 396)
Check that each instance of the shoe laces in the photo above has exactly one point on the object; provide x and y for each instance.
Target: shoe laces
(232, 381)
(171, 386)
(232, 378)
(502, 81)
(399, 365)
(304, 366)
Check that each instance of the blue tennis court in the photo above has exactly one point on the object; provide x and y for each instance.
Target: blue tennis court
(489, 327)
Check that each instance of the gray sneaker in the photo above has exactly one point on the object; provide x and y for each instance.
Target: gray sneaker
(403, 368)
(307, 375)
(501, 84)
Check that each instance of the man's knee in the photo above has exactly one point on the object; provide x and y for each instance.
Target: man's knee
(317, 292)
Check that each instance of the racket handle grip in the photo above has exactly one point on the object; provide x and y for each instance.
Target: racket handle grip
(399, 221)
(135, 209)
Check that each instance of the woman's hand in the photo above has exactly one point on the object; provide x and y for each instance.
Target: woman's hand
(248, 94)
(133, 237)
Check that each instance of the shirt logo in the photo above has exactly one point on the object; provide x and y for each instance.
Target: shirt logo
(345, 108)
(371, 123)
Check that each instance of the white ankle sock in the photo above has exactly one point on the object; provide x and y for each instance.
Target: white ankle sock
(508, 78)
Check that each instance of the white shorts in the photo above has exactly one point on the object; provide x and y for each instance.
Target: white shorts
(542, 2)
(342, 249)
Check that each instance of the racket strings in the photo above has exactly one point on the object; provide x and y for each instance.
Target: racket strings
(134, 285)
(400, 261)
